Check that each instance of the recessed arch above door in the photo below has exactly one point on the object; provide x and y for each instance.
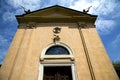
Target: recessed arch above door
(57, 50)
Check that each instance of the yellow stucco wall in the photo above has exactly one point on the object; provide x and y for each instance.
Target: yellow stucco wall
(23, 57)
(102, 66)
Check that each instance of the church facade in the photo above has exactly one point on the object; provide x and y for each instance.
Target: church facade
(57, 43)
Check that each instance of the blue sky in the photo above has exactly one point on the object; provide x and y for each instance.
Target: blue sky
(107, 24)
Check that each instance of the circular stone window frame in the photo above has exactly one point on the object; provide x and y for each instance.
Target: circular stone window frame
(69, 56)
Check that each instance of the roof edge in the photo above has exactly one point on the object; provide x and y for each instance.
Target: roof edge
(56, 6)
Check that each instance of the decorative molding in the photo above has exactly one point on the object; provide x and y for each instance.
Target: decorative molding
(30, 25)
(86, 25)
(56, 38)
(43, 56)
(82, 24)
(57, 30)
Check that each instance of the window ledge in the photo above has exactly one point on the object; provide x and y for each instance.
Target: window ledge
(57, 57)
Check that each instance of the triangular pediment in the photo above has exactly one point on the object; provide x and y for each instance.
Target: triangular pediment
(56, 14)
(56, 11)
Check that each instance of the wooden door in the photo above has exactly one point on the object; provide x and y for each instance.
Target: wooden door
(57, 73)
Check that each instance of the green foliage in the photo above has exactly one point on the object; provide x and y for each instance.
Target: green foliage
(117, 67)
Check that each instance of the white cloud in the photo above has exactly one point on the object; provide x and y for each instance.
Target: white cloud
(16, 4)
(64, 2)
(105, 26)
(100, 7)
(30, 4)
(8, 16)
(116, 41)
(80, 5)
(3, 41)
(2, 55)
(115, 48)
(103, 7)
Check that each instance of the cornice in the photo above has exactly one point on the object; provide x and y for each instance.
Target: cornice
(86, 25)
(30, 25)
(47, 19)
